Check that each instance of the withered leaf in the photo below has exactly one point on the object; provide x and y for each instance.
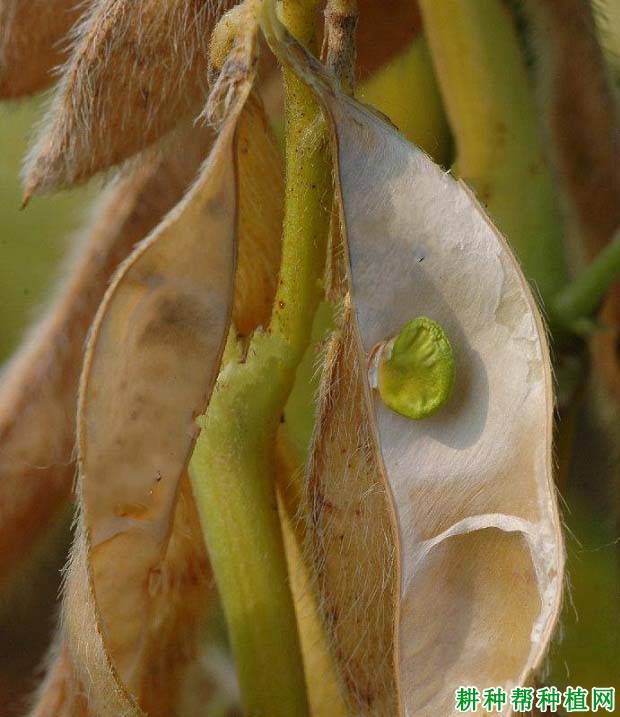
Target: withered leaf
(476, 529)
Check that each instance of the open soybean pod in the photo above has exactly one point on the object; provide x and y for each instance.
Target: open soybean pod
(139, 577)
(436, 543)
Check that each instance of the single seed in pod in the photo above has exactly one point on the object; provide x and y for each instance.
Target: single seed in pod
(414, 371)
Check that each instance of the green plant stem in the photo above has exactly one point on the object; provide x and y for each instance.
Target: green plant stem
(233, 466)
(232, 478)
(492, 112)
(308, 196)
(578, 302)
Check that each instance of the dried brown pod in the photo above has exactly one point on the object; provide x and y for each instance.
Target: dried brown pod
(38, 403)
(352, 541)
(134, 206)
(465, 497)
(135, 70)
(33, 42)
(151, 364)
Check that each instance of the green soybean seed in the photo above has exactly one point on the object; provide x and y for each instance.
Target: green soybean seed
(416, 371)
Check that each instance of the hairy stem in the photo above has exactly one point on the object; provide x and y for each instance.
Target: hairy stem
(308, 196)
(492, 112)
(233, 467)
